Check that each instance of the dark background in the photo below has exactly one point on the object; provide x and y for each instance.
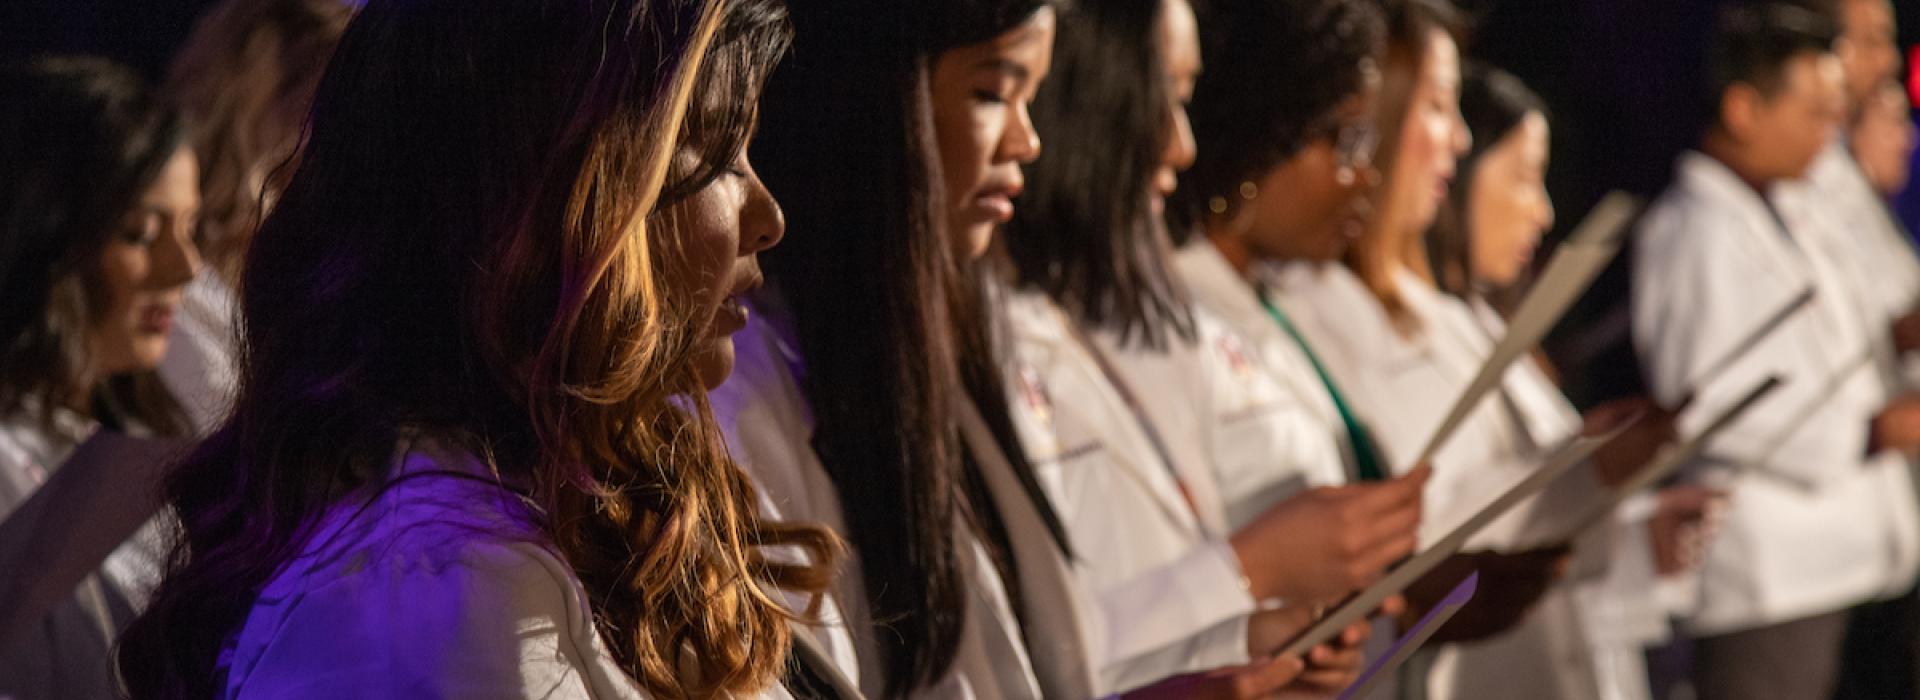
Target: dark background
(1623, 78)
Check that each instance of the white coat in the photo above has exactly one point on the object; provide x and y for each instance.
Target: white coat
(435, 586)
(201, 367)
(1173, 597)
(69, 653)
(1275, 431)
(1815, 524)
(1402, 385)
(1838, 210)
(769, 427)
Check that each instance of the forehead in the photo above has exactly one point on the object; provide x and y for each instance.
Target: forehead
(1179, 36)
(1443, 57)
(1029, 40)
(1811, 73)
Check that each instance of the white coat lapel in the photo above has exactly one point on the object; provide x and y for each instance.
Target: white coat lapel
(1098, 420)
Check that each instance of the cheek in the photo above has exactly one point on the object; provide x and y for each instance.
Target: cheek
(965, 139)
(122, 268)
(711, 240)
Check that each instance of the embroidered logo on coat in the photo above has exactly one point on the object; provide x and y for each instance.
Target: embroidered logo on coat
(1034, 392)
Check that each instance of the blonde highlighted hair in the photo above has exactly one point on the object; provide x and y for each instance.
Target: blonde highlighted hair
(480, 244)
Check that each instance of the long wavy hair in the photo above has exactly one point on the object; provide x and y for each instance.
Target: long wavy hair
(1386, 243)
(80, 140)
(473, 248)
(245, 79)
(891, 337)
(1084, 232)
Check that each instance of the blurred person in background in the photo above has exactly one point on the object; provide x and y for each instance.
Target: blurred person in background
(1482, 247)
(244, 80)
(1883, 139)
(1821, 513)
(1844, 204)
(1401, 348)
(99, 201)
(1109, 375)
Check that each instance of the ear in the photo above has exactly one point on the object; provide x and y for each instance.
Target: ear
(1740, 109)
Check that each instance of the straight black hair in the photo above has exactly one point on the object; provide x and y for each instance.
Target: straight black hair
(888, 330)
(1084, 232)
(1755, 39)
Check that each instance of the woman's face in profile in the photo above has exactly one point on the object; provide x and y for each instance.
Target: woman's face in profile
(980, 94)
(724, 226)
(143, 270)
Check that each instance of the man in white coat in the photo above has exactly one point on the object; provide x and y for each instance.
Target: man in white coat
(1820, 519)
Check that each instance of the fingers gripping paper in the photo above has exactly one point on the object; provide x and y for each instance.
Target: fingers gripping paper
(1670, 459)
(1569, 454)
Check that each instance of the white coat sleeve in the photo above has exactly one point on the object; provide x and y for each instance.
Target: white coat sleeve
(497, 622)
(1189, 615)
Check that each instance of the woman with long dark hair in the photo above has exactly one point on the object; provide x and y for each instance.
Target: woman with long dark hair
(852, 374)
(98, 205)
(471, 453)
(1482, 247)
(1401, 348)
(244, 80)
(1110, 368)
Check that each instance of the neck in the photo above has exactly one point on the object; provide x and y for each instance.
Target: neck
(1234, 249)
(1721, 147)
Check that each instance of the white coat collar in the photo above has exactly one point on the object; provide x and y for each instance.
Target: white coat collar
(1039, 323)
(1217, 286)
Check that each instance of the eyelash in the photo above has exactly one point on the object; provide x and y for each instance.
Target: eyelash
(989, 97)
(139, 235)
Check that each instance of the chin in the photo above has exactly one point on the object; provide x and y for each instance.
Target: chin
(975, 238)
(148, 354)
(714, 363)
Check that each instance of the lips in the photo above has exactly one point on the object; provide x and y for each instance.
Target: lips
(731, 317)
(155, 318)
(994, 202)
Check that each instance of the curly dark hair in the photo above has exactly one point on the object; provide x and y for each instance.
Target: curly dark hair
(1276, 72)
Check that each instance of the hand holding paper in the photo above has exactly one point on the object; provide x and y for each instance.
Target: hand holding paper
(1558, 462)
(1325, 542)
(1670, 459)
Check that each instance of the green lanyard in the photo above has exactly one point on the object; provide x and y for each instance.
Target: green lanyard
(1366, 457)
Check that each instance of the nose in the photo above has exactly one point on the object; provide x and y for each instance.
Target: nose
(762, 224)
(1546, 210)
(1021, 142)
(1462, 135)
(1181, 147)
(176, 260)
